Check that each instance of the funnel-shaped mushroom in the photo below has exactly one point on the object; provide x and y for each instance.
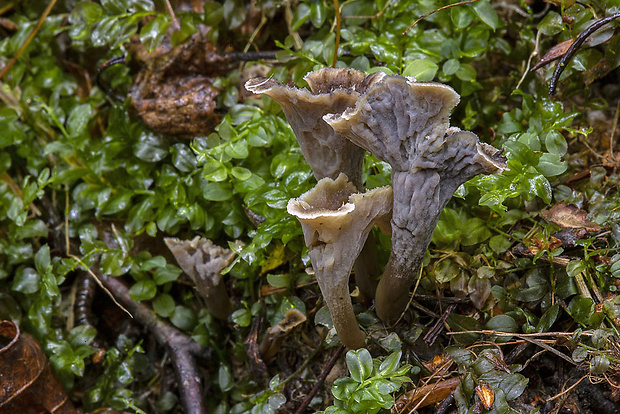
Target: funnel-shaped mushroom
(203, 262)
(406, 124)
(333, 90)
(327, 152)
(336, 221)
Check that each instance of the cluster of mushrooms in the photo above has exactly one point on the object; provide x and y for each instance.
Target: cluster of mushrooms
(402, 122)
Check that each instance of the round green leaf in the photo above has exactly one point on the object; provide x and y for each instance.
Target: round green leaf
(421, 69)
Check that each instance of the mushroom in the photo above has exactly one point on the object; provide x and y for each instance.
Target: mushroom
(203, 262)
(272, 340)
(327, 152)
(406, 124)
(336, 221)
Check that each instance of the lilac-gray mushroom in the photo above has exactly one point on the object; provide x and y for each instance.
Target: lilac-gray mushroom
(336, 221)
(406, 124)
(326, 151)
(203, 262)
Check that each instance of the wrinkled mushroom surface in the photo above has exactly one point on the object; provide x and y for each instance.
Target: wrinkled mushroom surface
(332, 91)
(406, 124)
(203, 262)
(326, 151)
(336, 221)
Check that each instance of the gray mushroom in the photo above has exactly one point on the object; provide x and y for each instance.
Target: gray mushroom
(406, 124)
(203, 262)
(336, 221)
(326, 151)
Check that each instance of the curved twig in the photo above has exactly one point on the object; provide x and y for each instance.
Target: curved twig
(183, 349)
(105, 66)
(574, 47)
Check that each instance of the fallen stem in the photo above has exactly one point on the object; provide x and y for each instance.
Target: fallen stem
(183, 349)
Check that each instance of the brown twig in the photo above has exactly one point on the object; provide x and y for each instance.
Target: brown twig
(320, 380)
(175, 21)
(337, 11)
(433, 333)
(31, 36)
(461, 3)
(183, 349)
(573, 49)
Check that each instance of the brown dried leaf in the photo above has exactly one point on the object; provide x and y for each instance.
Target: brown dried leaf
(554, 53)
(174, 93)
(569, 216)
(427, 395)
(486, 395)
(27, 384)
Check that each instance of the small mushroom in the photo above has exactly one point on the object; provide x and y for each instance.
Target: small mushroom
(336, 221)
(326, 151)
(272, 341)
(203, 262)
(406, 124)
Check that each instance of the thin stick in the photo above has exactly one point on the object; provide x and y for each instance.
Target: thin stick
(175, 21)
(566, 390)
(320, 380)
(529, 61)
(462, 3)
(31, 36)
(574, 47)
(337, 11)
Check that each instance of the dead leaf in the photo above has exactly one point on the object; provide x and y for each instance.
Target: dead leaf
(554, 53)
(427, 394)
(174, 92)
(486, 395)
(27, 384)
(569, 216)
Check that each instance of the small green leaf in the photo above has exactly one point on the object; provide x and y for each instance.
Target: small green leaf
(390, 364)
(242, 317)
(551, 24)
(183, 318)
(551, 165)
(153, 32)
(168, 273)
(556, 143)
(26, 280)
(421, 69)
(241, 173)
(42, 259)
(278, 281)
(143, 290)
(451, 66)
(164, 305)
(485, 12)
(360, 364)
(217, 191)
(548, 318)
(575, 267)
